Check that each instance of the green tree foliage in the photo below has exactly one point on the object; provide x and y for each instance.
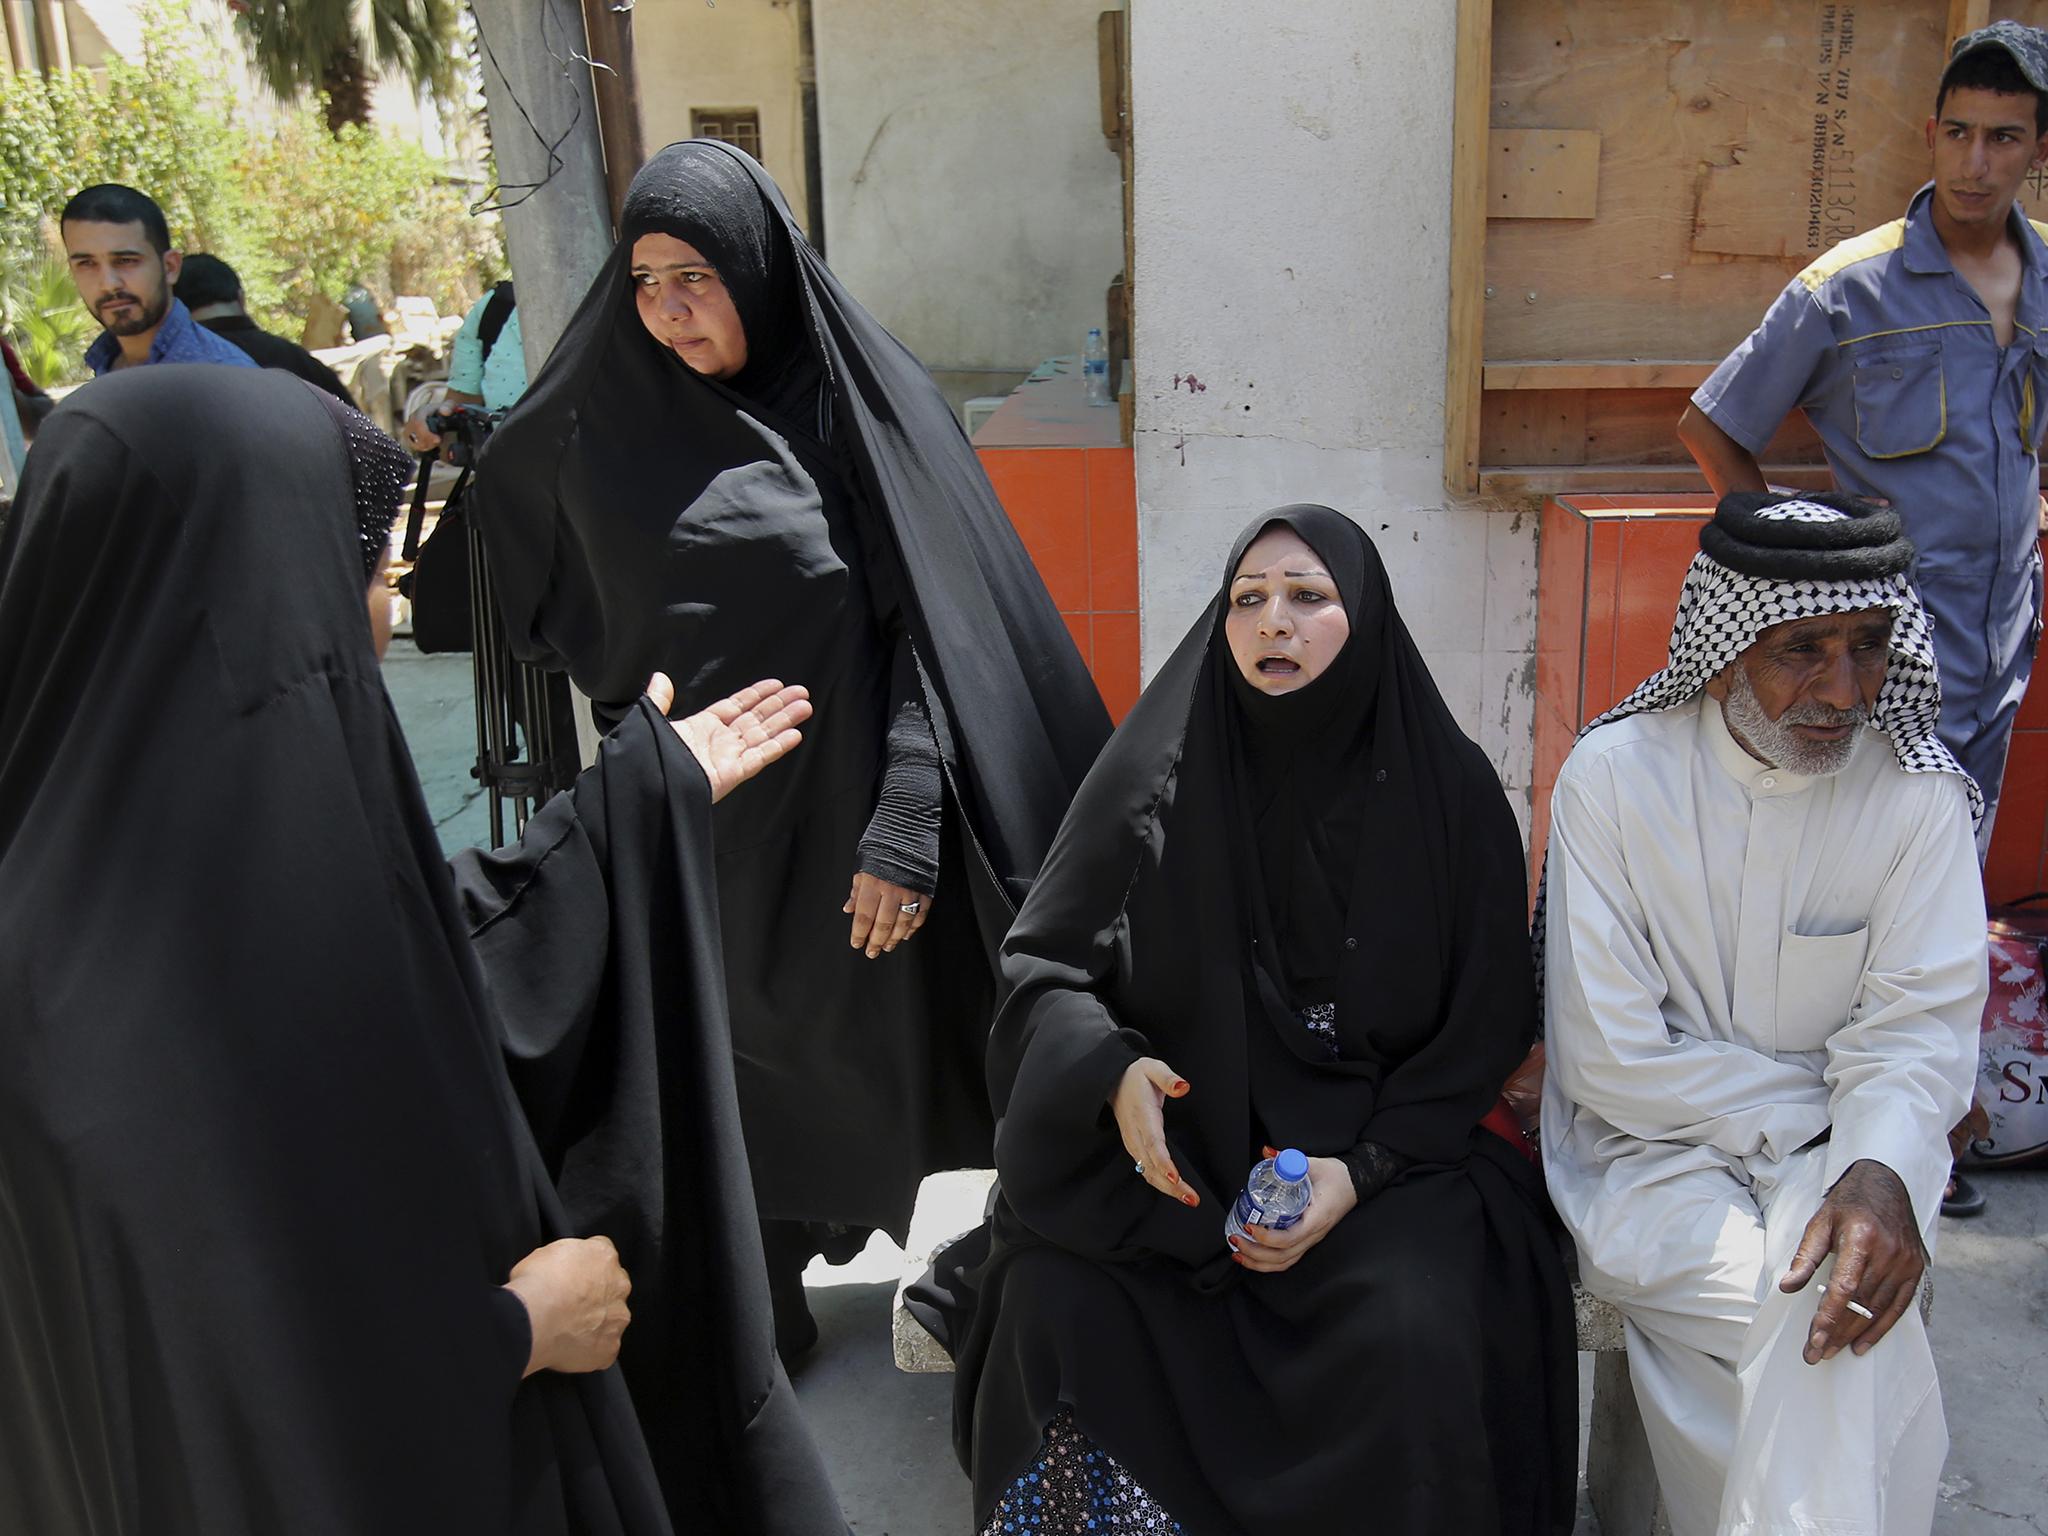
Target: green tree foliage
(49, 327)
(295, 209)
(304, 47)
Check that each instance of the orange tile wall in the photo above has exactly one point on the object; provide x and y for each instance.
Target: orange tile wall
(1076, 510)
(1607, 587)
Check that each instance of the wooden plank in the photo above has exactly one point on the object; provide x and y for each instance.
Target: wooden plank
(1626, 426)
(1523, 428)
(1965, 16)
(1109, 73)
(615, 87)
(1529, 428)
(1470, 113)
(1542, 173)
(1626, 479)
(1598, 374)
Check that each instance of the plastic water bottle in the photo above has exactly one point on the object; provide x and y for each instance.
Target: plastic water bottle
(1274, 1197)
(1095, 365)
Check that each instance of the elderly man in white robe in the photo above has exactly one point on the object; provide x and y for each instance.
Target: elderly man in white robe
(1764, 965)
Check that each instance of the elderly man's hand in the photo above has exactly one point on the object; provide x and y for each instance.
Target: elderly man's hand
(1867, 1222)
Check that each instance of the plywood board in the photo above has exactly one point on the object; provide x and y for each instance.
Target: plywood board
(1601, 427)
(1547, 173)
(1598, 373)
(1834, 141)
(1710, 193)
(1640, 426)
(1632, 479)
(1529, 429)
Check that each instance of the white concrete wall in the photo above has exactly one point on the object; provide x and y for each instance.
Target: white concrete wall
(971, 200)
(737, 53)
(1292, 275)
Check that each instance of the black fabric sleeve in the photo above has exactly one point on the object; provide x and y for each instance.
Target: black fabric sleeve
(1372, 1168)
(599, 939)
(901, 844)
(514, 1331)
(1430, 1102)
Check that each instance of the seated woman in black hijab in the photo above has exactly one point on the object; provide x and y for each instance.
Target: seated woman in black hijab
(1286, 910)
(276, 1253)
(727, 470)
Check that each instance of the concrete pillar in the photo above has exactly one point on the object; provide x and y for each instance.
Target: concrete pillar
(1292, 276)
(538, 96)
(544, 134)
(54, 35)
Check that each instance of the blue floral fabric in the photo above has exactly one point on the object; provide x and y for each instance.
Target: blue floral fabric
(1076, 1487)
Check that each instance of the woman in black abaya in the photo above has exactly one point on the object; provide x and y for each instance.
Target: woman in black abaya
(1285, 910)
(264, 1178)
(727, 470)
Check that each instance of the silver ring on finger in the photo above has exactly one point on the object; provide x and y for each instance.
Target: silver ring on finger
(1138, 1169)
(911, 908)
(1861, 1311)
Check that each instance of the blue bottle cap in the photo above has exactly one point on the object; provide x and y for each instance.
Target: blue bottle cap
(1291, 1166)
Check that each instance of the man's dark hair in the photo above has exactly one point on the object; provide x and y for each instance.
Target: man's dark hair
(1991, 69)
(111, 203)
(205, 279)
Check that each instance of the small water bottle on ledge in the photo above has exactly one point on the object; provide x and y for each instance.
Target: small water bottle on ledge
(1095, 366)
(1274, 1197)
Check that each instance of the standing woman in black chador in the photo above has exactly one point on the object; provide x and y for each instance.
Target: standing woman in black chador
(729, 470)
(1286, 910)
(278, 1249)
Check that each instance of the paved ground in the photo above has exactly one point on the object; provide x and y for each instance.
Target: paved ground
(436, 705)
(888, 1436)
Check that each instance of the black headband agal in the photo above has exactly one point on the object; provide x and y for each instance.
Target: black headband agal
(1819, 537)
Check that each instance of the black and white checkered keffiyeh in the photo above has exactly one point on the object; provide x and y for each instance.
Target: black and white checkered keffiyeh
(1722, 611)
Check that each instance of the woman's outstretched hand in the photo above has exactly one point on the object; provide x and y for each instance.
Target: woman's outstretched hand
(737, 737)
(1139, 1105)
(1267, 1252)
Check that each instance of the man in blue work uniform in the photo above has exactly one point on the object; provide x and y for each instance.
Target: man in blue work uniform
(1919, 352)
(119, 250)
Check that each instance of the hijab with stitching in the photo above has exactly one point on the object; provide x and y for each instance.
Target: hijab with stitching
(613, 431)
(1299, 774)
(709, 201)
(1419, 1358)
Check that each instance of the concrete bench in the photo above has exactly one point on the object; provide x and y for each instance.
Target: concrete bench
(1620, 1479)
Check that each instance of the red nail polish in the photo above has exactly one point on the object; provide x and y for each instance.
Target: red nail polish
(1190, 1199)
(1180, 1085)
